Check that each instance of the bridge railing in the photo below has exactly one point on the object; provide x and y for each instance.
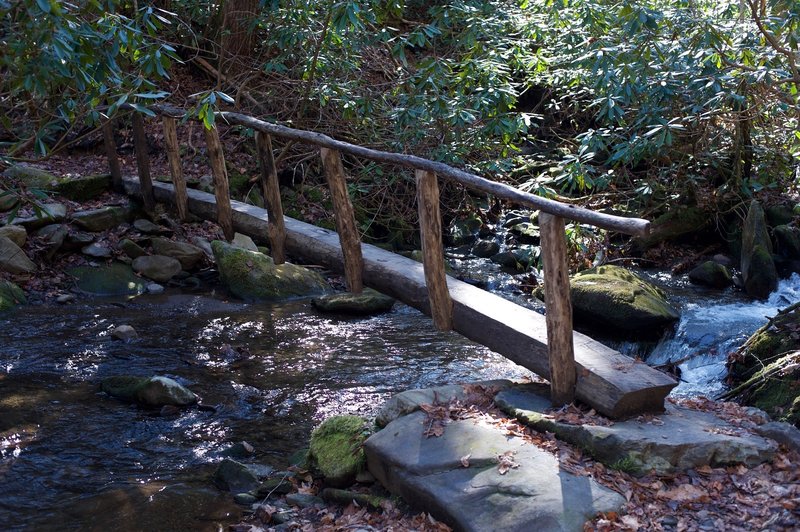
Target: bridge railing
(551, 218)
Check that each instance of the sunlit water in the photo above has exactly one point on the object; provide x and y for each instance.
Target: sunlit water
(73, 458)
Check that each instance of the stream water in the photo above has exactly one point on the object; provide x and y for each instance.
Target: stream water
(73, 458)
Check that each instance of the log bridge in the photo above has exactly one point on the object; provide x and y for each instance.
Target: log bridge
(577, 366)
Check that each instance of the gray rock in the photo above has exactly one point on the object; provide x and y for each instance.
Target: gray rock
(97, 251)
(241, 449)
(31, 177)
(16, 233)
(485, 249)
(787, 241)
(146, 226)
(245, 499)
(131, 248)
(304, 500)
(724, 260)
(253, 276)
(779, 215)
(8, 200)
(681, 439)
(758, 269)
(711, 274)
(781, 432)
(155, 288)
(52, 237)
(275, 486)
(11, 295)
(124, 333)
(188, 255)
(157, 267)
(63, 299)
(78, 240)
(244, 242)
(83, 188)
(409, 401)
(464, 231)
(368, 302)
(234, 477)
(526, 233)
(429, 474)
(154, 391)
(205, 245)
(13, 259)
(114, 279)
(97, 220)
(52, 213)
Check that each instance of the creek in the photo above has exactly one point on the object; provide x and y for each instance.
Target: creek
(73, 458)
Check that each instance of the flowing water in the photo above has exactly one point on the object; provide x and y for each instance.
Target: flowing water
(72, 458)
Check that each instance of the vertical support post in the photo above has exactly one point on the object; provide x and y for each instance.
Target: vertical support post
(143, 163)
(345, 220)
(111, 154)
(559, 309)
(430, 222)
(221, 190)
(276, 229)
(175, 170)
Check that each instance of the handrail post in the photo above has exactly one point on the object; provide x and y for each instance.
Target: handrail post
(345, 220)
(270, 188)
(430, 224)
(221, 190)
(175, 170)
(111, 154)
(558, 309)
(143, 163)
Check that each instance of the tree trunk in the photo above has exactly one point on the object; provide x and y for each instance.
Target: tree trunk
(236, 39)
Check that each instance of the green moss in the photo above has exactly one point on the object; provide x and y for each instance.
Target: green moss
(83, 188)
(11, 295)
(672, 225)
(337, 448)
(627, 465)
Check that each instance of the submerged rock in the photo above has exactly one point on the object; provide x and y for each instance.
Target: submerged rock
(613, 296)
(115, 279)
(367, 302)
(336, 449)
(11, 295)
(253, 276)
(157, 267)
(124, 333)
(13, 259)
(153, 391)
(758, 269)
(711, 274)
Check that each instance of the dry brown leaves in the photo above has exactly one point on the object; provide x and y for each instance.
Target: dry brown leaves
(578, 415)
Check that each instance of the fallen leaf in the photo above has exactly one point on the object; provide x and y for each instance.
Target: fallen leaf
(465, 460)
(506, 462)
(685, 493)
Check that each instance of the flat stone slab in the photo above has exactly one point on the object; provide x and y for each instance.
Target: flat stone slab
(677, 440)
(457, 479)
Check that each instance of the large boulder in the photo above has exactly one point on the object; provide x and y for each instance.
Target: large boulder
(253, 276)
(159, 268)
(613, 296)
(13, 259)
(711, 274)
(367, 302)
(787, 241)
(11, 295)
(83, 188)
(336, 449)
(31, 177)
(153, 391)
(115, 279)
(234, 477)
(758, 269)
(188, 255)
(97, 220)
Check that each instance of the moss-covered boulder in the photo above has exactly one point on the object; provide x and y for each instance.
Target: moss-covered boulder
(615, 297)
(31, 177)
(115, 279)
(83, 188)
(787, 241)
(253, 276)
(336, 449)
(758, 269)
(8, 200)
(766, 370)
(711, 274)
(464, 231)
(366, 303)
(673, 225)
(11, 295)
(153, 391)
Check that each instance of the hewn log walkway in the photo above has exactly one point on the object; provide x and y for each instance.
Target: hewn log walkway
(611, 383)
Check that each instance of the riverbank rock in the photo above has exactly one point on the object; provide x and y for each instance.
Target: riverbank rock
(8, 200)
(787, 241)
(711, 274)
(336, 449)
(97, 220)
(115, 279)
(244, 242)
(131, 248)
(758, 269)
(13, 259)
(159, 268)
(254, 277)
(51, 213)
(146, 226)
(31, 177)
(83, 188)
(234, 477)
(460, 480)
(97, 251)
(613, 296)
(11, 295)
(153, 391)
(675, 441)
(366, 303)
(188, 255)
(16, 233)
(672, 225)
